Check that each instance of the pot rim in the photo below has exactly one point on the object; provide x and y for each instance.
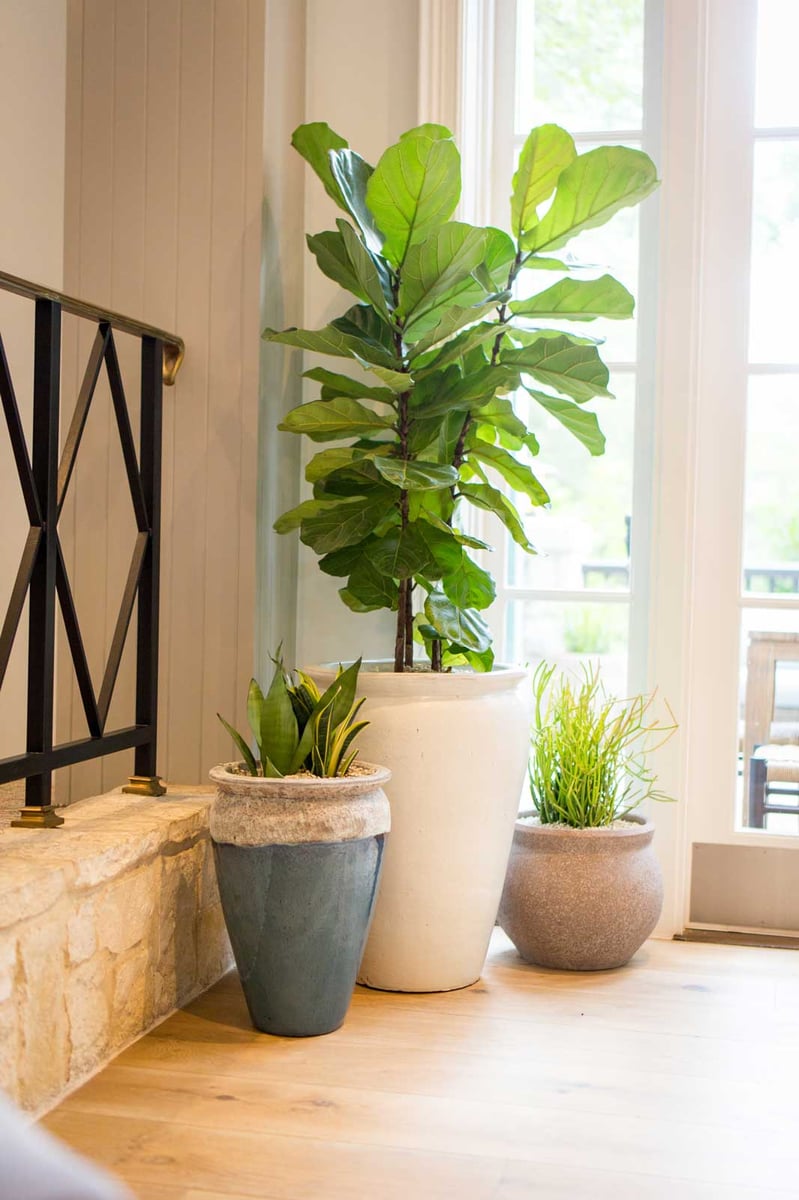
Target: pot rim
(638, 825)
(301, 785)
(382, 679)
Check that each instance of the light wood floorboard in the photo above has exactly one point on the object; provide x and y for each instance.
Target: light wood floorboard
(673, 1079)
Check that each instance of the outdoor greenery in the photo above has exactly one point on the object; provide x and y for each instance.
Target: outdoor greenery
(442, 342)
(589, 761)
(296, 728)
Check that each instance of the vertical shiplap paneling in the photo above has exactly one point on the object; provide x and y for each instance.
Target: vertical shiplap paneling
(172, 144)
(89, 486)
(162, 87)
(226, 401)
(127, 296)
(191, 446)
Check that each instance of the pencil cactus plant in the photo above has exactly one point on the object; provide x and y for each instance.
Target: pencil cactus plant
(441, 336)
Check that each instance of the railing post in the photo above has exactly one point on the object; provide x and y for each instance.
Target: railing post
(146, 781)
(38, 809)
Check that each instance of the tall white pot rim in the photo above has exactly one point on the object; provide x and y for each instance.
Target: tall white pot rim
(383, 680)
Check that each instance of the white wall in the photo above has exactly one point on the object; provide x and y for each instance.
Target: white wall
(361, 76)
(33, 57)
(163, 220)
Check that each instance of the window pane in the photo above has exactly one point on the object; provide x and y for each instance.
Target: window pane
(777, 96)
(571, 632)
(769, 717)
(579, 63)
(771, 514)
(583, 540)
(775, 252)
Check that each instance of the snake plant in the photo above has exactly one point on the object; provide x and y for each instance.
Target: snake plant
(297, 728)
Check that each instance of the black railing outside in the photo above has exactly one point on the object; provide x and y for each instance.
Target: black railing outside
(44, 478)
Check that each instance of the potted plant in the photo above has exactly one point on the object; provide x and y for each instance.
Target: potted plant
(447, 326)
(584, 889)
(298, 830)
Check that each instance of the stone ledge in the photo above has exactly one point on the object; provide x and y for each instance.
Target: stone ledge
(107, 924)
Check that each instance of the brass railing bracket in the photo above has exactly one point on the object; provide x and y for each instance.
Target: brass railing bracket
(145, 785)
(38, 817)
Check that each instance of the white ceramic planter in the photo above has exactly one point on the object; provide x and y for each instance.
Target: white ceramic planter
(457, 748)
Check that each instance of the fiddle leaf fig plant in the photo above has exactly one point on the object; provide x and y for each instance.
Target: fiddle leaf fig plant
(446, 327)
(297, 728)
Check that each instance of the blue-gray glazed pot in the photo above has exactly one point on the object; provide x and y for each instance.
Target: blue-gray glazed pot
(298, 861)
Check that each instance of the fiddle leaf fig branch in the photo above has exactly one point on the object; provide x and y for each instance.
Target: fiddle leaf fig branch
(439, 339)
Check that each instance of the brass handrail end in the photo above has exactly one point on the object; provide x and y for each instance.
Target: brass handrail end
(38, 817)
(145, 785)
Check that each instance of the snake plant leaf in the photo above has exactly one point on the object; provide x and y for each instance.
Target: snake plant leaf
(594, 187)
(343, 691)
(437, 274)
(369, 589)
(483, 495)
(279, 733)
(469, 586)
(334, 384)
(401, 553)
(351, 175)
(416, 476)
(562, 362)
(343, 257)
(515, 473)
(546, 153)
(327, 420)
(255, 702)
(270, 770)
(244, 750)
(314, 141)
(579, 300)
(583, 424)
(464, 626)
(344, 523)
(304, 747)
(416, 186)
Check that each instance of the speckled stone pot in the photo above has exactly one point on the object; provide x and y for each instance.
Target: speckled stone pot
(299, 862)
(581, 899)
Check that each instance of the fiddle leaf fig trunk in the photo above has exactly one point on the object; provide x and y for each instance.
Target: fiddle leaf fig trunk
(439, 339)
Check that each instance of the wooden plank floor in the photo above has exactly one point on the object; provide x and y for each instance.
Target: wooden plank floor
(676, 1078)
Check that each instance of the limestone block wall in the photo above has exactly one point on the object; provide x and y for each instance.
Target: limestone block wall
(106, 925)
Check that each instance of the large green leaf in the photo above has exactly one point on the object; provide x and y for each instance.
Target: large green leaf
(344, 523)
(579, 300)
(415, 186)
(401, 553)
(351, 175)
(584, 425)
(340, 338)
(327, 420)
(469, 586)
(438, 274)
(516, 473)
(314, 142)
(455, 535)
(483, 495)
(547, 151)
(293, 517)
(500, 254)
(595, 186)
(501, 415)
(464, 626)
(397, 381)
(436, 395)
(339, 458)
(443, 544)
(334, 385)
(343, 257)
(563, 363)
(369, 589)
(416, 476)
(450, 348)
(344, 561)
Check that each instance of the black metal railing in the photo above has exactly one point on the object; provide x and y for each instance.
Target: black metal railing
(42, 579)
